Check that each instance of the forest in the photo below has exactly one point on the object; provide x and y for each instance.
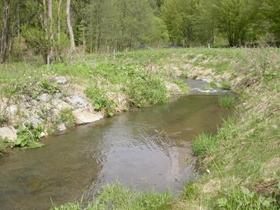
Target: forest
(55, 28)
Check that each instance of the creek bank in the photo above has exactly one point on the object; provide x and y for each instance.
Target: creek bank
(61, 105)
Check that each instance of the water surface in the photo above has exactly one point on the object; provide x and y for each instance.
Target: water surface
(146, 150)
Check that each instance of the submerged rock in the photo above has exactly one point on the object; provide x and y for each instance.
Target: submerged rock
(8, 133)
(85, 117)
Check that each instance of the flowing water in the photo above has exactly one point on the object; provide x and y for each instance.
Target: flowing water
(146, 150)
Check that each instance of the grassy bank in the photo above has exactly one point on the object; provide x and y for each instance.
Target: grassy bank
(110, 83)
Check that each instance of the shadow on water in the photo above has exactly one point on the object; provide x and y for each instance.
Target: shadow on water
(145, 150)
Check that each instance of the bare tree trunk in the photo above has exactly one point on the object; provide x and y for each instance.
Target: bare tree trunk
(5, 38)
(58, 20)
(70, 29)
(50, 33)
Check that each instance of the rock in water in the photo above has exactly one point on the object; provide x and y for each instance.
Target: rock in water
(8, 133)
(85, 117)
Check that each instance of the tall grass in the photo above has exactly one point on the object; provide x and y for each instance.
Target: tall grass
(116, 197)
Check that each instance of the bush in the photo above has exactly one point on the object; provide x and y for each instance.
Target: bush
(100, 101)
(146, 91)
(29, 136)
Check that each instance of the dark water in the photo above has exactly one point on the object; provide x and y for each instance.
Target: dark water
(146, 150)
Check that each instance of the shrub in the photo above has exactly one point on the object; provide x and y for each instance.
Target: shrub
(29, 136)
(49, 87)
(147, 91)
(100, 101)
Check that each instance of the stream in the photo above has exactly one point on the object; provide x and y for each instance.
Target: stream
(147, 150)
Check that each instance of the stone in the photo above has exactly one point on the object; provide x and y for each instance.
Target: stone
(61, 127)
(8, 133)
(77, 101)
(61, 80)
(60, 105)
(173, 88)
(44, 97)
(12, 110)
(35, 120)
(85, 117)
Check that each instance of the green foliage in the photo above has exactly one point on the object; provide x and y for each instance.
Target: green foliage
(49, 87)
(235, 17)
(191, 191)
(112, 27)
(31, 87)
(100, 101)
(242, 198)
(29, 136)
(271, 12)
(3, 119)
(189, 22)
(66, 116)
(227, 101)
(146, 91)
(203, 144)
(116, 197)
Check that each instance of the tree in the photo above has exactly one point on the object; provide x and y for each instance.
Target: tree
(235, 17)
(5, 33)
(272, 14)
(69, 25)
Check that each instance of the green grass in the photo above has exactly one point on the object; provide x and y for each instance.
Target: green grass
(116, 197)
(227, 101)
(66, 116)
(100, 100)
(28, 136)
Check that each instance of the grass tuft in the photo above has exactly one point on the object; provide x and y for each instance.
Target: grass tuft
(227, 101)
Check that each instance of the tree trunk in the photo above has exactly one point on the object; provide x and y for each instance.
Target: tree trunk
(69, 25)
(5, 38)
(50, 32)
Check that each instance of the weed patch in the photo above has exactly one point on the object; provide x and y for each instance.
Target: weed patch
(116, 197)
(66, 116)
(242, 198)
(227, 101)
(100, 101)
(28, 136)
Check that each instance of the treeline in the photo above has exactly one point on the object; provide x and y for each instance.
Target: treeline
(54, 28)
